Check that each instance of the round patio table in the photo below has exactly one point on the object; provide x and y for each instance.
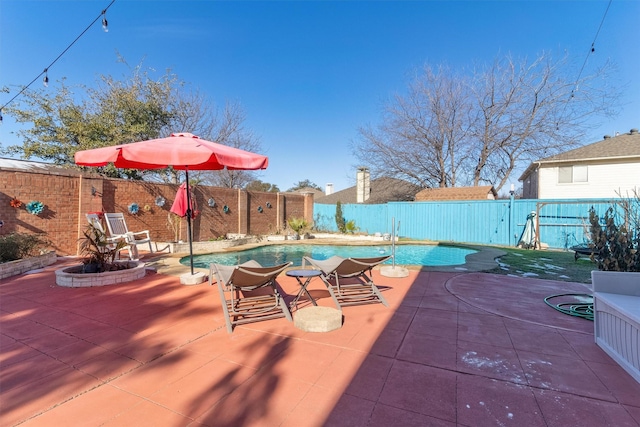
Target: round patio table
(307, 275)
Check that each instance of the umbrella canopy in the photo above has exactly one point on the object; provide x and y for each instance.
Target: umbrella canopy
(182, 151)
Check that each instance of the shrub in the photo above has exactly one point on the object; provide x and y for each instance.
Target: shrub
(616, 242)
(299, 225)
(350, 226)
(99, 250)
(340, 218)
(322, 223)
(17, 246)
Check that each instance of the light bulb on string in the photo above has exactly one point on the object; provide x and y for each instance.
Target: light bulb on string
(105, 23)
(45, 80)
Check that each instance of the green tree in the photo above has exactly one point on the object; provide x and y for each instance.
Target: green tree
(257, 185)
(60, 121)
(340, 222)
(305, 184)
(228, 128)
(114, 112)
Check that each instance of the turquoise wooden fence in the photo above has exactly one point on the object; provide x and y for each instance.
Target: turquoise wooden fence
(560, 223)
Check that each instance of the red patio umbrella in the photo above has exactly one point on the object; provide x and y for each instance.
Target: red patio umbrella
(180, 206)
(182, 151)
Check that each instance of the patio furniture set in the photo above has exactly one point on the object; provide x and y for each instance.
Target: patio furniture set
(250, 292)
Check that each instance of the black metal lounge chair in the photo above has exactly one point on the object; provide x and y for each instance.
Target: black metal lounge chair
(249, 292)
(349, 279)
(582, 250)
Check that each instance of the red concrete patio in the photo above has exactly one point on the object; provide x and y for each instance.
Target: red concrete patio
(453, 349)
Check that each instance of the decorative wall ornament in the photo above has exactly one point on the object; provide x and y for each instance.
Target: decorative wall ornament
(225, 209)
(15, 203)
(211, 202)
(34, 207)
(147, 208)
(160, 201)
(134, 208)
(269, 205)
(260, 209)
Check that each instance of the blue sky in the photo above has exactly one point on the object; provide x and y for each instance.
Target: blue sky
(307, 73)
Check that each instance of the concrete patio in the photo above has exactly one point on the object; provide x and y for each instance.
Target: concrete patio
(452, 349)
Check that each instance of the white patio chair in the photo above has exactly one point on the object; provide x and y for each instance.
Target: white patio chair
(118, 229)
(96, 221)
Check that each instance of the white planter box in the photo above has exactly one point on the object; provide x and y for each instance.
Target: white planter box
(13, 268)
(616, 297)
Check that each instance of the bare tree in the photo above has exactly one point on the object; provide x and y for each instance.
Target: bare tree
(527, 111)
(193, 112)
(470, 129)
(423, 133)
(228, 128)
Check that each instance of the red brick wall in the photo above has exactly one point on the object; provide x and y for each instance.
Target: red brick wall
(59, 219)
(67, 198)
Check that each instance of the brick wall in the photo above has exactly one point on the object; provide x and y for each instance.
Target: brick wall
(59, 194)
(68, 197)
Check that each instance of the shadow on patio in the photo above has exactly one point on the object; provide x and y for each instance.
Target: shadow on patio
(452, 349)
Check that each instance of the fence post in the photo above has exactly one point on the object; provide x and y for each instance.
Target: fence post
(511, 200)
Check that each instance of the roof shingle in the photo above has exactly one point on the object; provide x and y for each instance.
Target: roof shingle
(484, 192)
(382, 190)
(623, 145)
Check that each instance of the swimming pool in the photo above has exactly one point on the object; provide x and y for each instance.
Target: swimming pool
(426, 255)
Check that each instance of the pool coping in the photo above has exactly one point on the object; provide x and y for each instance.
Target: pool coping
(482, 260)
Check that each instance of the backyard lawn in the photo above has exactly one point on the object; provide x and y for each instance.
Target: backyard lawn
(545, 264)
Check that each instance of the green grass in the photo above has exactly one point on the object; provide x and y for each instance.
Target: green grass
(546, 264)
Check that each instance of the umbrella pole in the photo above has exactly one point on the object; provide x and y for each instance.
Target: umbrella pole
(186, 173)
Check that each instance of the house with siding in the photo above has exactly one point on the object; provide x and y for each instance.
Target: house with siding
(606, 169)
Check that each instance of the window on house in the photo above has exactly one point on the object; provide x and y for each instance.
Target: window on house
(571, 174)
(565, 174)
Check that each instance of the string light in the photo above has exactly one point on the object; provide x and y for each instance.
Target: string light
(105, 23)
(45, 80)
(591, 50)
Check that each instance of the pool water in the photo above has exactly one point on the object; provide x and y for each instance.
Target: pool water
(426, 255)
